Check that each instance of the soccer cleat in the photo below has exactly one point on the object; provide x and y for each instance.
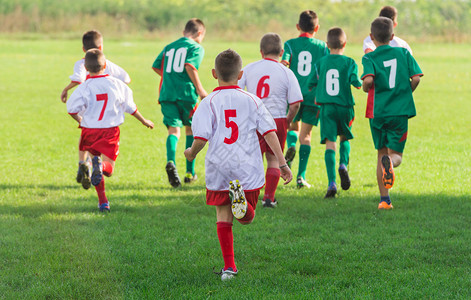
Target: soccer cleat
(172, 174)
(189, 178)
(97, 173)
(227, 274)
(268, 203)
(385, 205)
(301, 182)
(290, 154)
(344, 178)
(84, 171)
(331, 191)
(388, 172)
(104, 207)
(238, 201)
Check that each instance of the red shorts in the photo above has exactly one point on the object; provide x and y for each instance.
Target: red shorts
(219, 198)
(99, 141)
(281, 132)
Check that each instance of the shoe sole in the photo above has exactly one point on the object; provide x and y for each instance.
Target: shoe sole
(290, 155)
(388, 172)
(172, 174)
(238, 201)
(97, 174)
(86, 181)
(344, 179)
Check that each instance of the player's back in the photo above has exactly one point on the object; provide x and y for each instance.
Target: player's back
(102, 101)
(273, 83)
(303, 53)
(81, 74)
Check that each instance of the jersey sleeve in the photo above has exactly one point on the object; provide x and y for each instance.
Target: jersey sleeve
(129, 106)
(202, 122)
(76, 103)
(117, 72)
(368, 44)
(414, 68)
(80, 73)
(294, 90)
(158, 62)
(368, 68)
(265, 121)
(195, 56)
(353, 75)
(287, 53)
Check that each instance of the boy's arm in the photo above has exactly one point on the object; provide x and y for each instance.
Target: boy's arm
(196, 147)
(145, 122)
(272, 141)
(415, 80)
(76, 117)
(71, 85)
(367, 83)
(193, 74)
(292, 111)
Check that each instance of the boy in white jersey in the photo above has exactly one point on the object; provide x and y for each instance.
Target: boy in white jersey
(91, 40)
(391, 13)
(229, 118)
(98, 105)
(278, 88)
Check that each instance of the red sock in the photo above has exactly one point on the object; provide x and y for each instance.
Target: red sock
(100, 190)
(107, 168)
(226, 240)
(272, 178)
(249, 215)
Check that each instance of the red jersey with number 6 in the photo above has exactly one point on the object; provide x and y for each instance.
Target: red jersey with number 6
(229, 119)
(101, 101)
(272, 82)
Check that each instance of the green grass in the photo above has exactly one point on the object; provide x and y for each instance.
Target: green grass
(161, 243)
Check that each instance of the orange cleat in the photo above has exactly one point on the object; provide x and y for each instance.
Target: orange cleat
(384, 205)
(388, 172)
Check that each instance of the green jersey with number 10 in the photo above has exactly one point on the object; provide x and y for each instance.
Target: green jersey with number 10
(176, 85)
(302, 53)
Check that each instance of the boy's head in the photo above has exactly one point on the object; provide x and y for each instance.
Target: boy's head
(336, 38)
(195, 29)
(228, 66)
(308, 21)
(382, 30)
(94, 61)
(270, 44)
(389, 12)
(92, 39)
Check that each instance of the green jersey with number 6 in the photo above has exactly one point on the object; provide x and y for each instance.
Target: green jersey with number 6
(176, 85)
(334, 75)
(391, 94)
(302, 53)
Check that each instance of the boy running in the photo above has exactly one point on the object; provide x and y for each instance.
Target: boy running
(278, 88)
(98, 105)
(390, 74)
(301, 54)
(180, 87)
(335, 73)
(229, 119)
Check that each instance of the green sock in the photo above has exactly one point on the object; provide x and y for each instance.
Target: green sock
(291, 139)
(304, 151)
(172, 142)
(344, 152)
(329, 158)
(190, 166)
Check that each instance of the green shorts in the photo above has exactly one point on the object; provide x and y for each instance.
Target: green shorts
(178, 113)
(307, 114)
(336, 120)
(389, 132)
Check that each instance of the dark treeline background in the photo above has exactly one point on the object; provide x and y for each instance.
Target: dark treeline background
(442, 20)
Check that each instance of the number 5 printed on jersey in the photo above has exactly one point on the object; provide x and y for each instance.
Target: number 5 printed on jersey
(231, 113)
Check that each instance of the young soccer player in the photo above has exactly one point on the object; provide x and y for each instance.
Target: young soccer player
(229, 118)
(301, 54)
(180, 87)
(391, 13)
(392, 74)
(278, 88)
(334, 75)
(90, 40)
(98, 105)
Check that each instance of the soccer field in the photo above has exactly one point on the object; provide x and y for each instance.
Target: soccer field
(159, 242)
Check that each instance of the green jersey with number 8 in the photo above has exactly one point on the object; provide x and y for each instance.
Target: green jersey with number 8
(391, 94)
(176, 85)
(302, 53)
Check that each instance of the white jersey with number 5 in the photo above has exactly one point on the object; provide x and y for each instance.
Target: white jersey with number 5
(229, 119)
(275, 84)
(101, 101)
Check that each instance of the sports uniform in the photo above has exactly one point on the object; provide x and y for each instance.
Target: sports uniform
(390, 103)
(80, 73)
(395, 42)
